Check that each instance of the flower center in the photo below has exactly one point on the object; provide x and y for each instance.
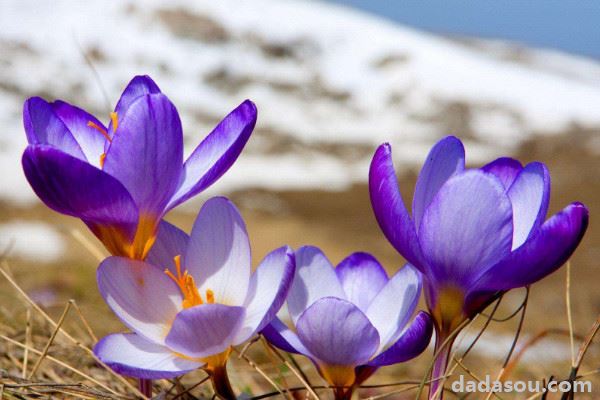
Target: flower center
(115, 123)
(187, 286)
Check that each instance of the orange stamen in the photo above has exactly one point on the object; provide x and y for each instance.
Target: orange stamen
(100, 129)
(102, 159)
(186, 284)
(115, 120)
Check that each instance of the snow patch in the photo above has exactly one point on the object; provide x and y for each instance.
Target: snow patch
(33, 241)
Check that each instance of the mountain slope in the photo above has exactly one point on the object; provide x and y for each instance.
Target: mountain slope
(331, 83)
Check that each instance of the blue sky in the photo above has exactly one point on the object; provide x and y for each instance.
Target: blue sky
(569, 25)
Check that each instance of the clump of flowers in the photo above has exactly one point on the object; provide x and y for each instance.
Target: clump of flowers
(474, 233)
(189, 300)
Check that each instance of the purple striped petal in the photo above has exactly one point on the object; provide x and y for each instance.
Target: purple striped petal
(544, 252)
(71, 186)
(142, 296)
(505, 169)
(446, 158)
(146, 153)
(269, 286)
(394, 305)
(467, 228)
(44, 127)
(362, 278)
(412, 342)
(131, 355)
(315, 278)
(90, 140)
(170, 242)
(389, 208)
(139, 86)
(216, 153)
(205, 330)
(281, 336)
(218, 254)
(529, 196)
(337, 333)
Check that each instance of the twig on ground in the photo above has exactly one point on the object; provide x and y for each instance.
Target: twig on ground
(260, 371)
(50, 341)
(27, 342)
(580, 355)
(569, 315)
(273, 359)
(300, 375)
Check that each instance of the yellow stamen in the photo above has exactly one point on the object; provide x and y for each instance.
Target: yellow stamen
(187, 285)
(115, 120)
(102, 159)
(210, 296)
(100, 129)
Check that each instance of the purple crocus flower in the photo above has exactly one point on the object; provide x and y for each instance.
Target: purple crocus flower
(353, 319)
(474, 233)
(192, 313)
(123, 178)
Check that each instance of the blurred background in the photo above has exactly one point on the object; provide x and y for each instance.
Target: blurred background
(332, 80)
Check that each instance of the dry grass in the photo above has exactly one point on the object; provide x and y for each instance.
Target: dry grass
(46, 357)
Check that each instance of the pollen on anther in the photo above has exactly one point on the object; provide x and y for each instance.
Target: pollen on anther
(186, 285)
(102, 159)
(115, 120)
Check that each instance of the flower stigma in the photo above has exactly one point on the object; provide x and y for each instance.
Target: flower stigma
(100, 129)
(187, 286)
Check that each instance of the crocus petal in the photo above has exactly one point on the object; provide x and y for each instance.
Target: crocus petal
(218, 255)
(146, 153)
(71, 186)
(170, 242)
(529, 195)
(281, 336)
(412, 342)
(543, 253)
(505, 169)
(216, 153)
(139, 86)
(43, 126)
(445, 159)
(131, 355)
(142, 296)
(315, 278)
(394, 305)
(269, 286)
(362, 278)
(90, 140)
(467, 228)
(389, 208)
(205, 330)
(337, 333)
